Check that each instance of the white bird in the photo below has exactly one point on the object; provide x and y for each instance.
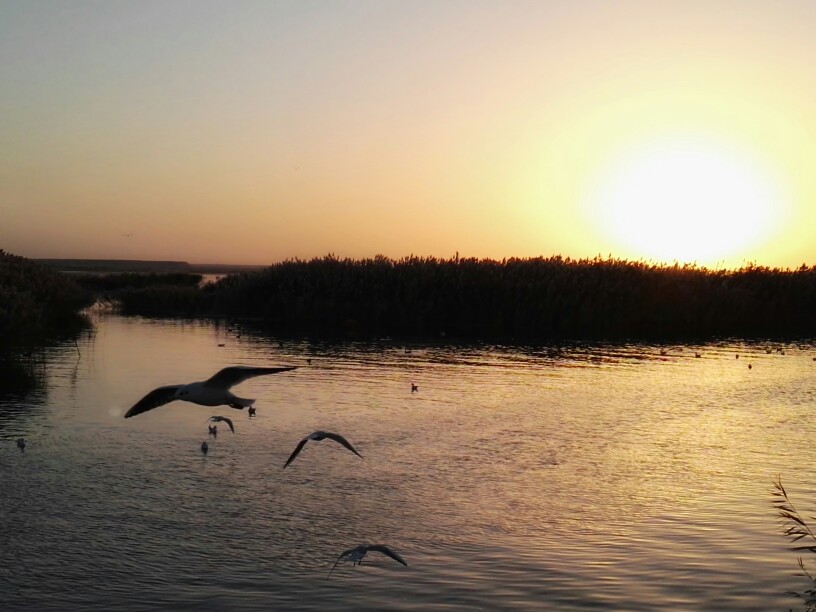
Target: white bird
(318, 436)
(357, 553)
(215, 391)
(218, 419)
(205, 447)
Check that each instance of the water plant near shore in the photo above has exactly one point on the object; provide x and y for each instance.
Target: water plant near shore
(796, 527)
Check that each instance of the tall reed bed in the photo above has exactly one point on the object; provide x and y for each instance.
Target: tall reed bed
(36, 300)
(519, 298)
(110, 284)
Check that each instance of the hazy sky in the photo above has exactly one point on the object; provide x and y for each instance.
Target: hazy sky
(252, 132)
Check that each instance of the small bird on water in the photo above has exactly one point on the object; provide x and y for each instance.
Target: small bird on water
(215, 391)
(357, 553)
(252, 411)
(414, 388)
(218, 419)
(21, 443)
(213, 429)
(318, 436)
(205, 447)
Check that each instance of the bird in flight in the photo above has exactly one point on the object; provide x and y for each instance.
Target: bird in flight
(215, 391)
(357, 553)
(218, 419)
(318, 436)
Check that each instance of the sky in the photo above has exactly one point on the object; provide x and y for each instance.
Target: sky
(254, 132)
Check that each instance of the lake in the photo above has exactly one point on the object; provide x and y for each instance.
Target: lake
(607, 477)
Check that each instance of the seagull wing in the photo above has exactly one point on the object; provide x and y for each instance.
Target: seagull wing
(343, 441)
(154, 399)
(228, 422)
(344, 554)
(296, 451)
(217, 419)
(387, 551)
(229, 377)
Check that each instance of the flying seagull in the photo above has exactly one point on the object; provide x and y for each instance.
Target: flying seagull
(356, 554)
(215, 391)
(217, 419)
(318, 436)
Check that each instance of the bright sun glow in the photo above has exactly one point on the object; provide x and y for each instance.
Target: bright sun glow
(687, 200)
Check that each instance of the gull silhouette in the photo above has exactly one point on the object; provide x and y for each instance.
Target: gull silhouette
(318, 436)
(218, 419)
(357, 553)
(215, 391)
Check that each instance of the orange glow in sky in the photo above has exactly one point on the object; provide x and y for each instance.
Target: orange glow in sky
(253, 132)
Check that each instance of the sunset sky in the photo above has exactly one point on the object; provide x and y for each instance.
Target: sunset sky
(253, 132)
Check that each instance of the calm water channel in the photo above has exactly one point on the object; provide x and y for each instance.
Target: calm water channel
(609, 477)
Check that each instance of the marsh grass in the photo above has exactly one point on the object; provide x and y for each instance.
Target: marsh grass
(795, 526)
(37, 302)
(112, 283)
(517, 299)
(149, 294)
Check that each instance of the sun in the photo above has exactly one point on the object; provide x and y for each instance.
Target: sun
(688, 200)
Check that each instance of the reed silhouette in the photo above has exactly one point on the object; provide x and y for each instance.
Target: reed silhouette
(796, 527)
(128, 281)
(519, 298)
(37, 301)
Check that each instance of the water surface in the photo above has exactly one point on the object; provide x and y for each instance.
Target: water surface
(594, 477)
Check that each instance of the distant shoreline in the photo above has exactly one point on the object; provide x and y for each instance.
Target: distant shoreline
(138, 265)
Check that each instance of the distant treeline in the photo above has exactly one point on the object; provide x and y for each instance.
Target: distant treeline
(36, 300)
(531, 299)
(114, 266)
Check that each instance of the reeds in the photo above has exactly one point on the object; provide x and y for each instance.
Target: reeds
(111, 283)
(520, 299)
(173, 300)
(36, 300)
(796, 527)
(154, 293)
